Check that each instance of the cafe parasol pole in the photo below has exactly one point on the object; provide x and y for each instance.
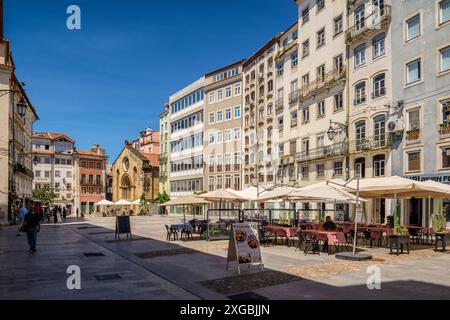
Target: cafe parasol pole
(358, 207)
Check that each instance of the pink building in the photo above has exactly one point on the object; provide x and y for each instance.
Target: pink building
(148, 142)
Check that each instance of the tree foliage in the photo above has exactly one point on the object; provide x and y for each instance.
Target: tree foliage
(163, 197)
(46, 195)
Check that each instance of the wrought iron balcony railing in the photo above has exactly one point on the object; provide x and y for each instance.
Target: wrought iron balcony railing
(373, 22)
(322, 83)
(382, 141)
(334, 150)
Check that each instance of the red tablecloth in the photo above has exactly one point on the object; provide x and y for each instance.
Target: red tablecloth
(332, 237)
(282, 231)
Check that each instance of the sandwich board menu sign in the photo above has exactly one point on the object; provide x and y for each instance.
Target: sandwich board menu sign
(123, 226)
(244, 246)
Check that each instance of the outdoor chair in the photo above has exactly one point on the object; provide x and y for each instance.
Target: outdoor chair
(265, 237)
(311, 244)
(301, 241)
(283, 235)
(171, 233)
(186, 233)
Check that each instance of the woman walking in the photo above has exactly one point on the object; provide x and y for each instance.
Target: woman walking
(32, 226)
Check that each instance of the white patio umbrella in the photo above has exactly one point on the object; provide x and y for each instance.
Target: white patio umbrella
(250, 193)
(280, 193)
(323, 192)
(105, 203)
(123, 203)
(136, 202)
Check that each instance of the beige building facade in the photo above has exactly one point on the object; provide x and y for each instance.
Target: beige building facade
(223, 128)
(164, 168)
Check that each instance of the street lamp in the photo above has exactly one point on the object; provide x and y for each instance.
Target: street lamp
(331, 133)
(22, 107)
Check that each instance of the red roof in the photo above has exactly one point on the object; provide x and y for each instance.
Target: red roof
(153, 158)
(89, 153)
(51, 135)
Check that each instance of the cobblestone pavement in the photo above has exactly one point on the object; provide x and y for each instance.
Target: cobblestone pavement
(152, 268)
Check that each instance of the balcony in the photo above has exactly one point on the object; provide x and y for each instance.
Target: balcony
(325, 82)
(370, 144)
(334, 150)
(412, 136)
(293, 96)
(372, 23)
(444, 130)
(19, 168)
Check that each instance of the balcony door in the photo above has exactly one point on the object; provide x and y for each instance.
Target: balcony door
(379, 126)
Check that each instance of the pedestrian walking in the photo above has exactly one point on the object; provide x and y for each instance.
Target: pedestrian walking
(55, 215)
(32, 226)
(23, 211)
(58, 215)
(64, 213)
(78, 212)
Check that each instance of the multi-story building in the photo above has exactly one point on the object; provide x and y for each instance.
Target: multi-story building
(17, 116)
(109, 182)
(164, 168)
(421, 95)
(90, 179)
(318, 97)
(148, 142)
(54, 166)
(186, 140)
(259, 116)
(369, 82)
(223, 128)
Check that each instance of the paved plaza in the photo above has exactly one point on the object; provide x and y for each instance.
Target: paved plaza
(149, 267)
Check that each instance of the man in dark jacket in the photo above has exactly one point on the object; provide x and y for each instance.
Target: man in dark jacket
(32, 226)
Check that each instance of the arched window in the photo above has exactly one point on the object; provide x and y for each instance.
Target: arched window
(360, 167)
(360, 93)
(379, 86)
(125, 185)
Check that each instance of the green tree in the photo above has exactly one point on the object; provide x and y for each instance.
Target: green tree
(45, 195)
(163, 197)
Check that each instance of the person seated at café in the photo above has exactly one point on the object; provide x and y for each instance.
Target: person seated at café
(329, 225)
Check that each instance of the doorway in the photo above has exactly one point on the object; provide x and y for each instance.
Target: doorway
(380, 211)
(415, 211)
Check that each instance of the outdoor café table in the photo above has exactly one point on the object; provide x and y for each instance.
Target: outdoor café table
(442, 238)
(330, 238)
(289, 231)
(182, 227)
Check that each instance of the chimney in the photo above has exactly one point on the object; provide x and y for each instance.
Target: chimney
(1, 21)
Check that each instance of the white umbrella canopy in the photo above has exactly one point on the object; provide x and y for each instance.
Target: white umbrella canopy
(324, 192)
(277, 194)
(222, 196)
(184, 201)
(105, 203)
(123, 203)
(136, 202)
(250, 193)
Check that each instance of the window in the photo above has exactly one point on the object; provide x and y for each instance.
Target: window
(237, 134)
(378, 46)
(228, 114)
(321, 73)
(212, 97)
(413, 27)
(305, 114)
(360, 55)
(47, 174)
(321, 109)
(219, 116)
(219, 137)
(280, 69)
(445, 111)
(320, 5)
(57, 173)
(444, 11)
(414, 161)
(414, 119)
(320, 170)
(305, 15)
(338, 168)
(211, 138)
(445, 158)
(338, 25)
(220, 95)
(360, 130)
(68, 174)
(413, 71)
(237, 89)
(444, 55)
(338, 102)
(359, 18)
(293, 118)
(37, 174)
(227, 135)
(237, 112)
(320, 141)
(321, 38)
(57, 161)
(379, 86)
(228, 92)
(338, 63)
(305, 173)
(305, 48)
(378, 165)
(211, 118)
(294, 59)
(360, 93)
(305, 79)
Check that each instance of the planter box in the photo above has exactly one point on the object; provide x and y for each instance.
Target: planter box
(398, 242)
(441, 238)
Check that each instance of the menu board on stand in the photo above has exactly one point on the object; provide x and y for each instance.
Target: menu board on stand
(244, 246)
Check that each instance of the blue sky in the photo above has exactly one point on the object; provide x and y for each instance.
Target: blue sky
(106, 82)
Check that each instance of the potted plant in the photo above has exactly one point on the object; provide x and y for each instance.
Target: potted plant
(401, 234)
(440, 231)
